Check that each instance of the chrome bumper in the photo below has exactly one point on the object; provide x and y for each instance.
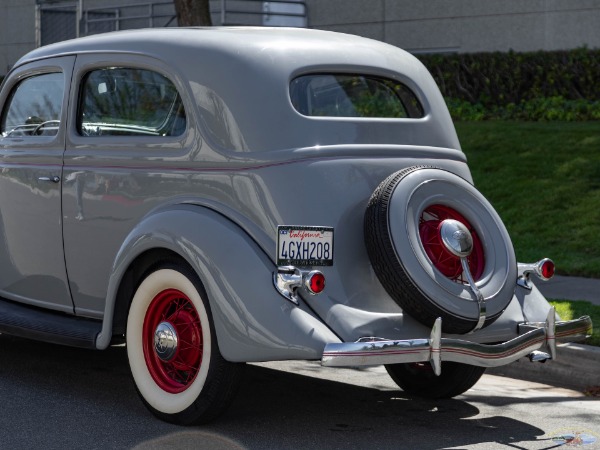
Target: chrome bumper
(374, 351)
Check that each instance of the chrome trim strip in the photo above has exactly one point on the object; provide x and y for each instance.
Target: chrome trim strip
(435, 349)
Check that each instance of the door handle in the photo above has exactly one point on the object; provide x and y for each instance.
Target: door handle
(54, 179)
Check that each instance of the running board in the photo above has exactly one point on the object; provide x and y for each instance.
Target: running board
(48, 326)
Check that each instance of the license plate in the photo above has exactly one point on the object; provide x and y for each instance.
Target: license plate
(304, 246)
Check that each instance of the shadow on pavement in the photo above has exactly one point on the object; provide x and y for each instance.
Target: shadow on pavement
(57, 397)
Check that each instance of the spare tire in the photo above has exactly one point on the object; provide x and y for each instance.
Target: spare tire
(404, 245)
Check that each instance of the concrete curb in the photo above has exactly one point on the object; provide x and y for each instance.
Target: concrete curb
(576, 367)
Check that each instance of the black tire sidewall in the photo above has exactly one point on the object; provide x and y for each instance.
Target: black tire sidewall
(421, 381)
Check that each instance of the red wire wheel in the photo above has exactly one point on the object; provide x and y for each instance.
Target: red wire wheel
(172, 349)
(176, 373)
(444, 261)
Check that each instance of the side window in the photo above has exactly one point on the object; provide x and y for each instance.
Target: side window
(341, 95)
(121, 101)
(34, 107)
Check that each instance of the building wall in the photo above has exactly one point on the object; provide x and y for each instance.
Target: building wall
(464, 25)
(17, 31)
(18, 22)
(419, 26)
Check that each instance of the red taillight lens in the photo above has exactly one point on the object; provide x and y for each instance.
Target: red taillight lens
(315, 282)
(546, 269)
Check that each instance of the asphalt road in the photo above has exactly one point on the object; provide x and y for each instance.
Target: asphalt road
(58, 397)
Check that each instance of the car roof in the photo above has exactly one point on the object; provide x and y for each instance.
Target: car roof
(291, 46)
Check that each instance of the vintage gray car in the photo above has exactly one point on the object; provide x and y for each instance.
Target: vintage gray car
(219, 196)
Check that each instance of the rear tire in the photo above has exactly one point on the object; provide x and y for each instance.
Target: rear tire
(183, 380)
(419, 380)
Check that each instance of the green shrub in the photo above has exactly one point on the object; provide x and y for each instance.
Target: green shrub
(538, 109)
(539, 86)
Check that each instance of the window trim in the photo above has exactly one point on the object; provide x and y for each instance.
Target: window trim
(148, 133)
(45, 144)
(9, 101)
(132, 146)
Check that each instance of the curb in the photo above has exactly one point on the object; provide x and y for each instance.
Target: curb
(576, 367)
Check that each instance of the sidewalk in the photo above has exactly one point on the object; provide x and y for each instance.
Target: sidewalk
(570, 288)
(576, 367)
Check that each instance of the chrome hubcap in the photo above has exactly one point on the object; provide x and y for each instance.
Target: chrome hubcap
(456, 238)
(165, 341)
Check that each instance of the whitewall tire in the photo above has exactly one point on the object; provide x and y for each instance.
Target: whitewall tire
(173, 354)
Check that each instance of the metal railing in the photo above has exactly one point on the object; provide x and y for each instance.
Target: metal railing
(125, 17)
(292, 13)
(56, 21)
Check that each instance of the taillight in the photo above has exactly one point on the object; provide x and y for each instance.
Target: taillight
(545, 269)
(315, 282)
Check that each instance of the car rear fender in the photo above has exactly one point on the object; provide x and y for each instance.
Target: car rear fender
(252, 321)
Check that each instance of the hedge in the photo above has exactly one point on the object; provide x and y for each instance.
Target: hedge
(557, 85)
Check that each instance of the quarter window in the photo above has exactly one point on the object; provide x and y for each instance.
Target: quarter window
(34, 107)
(120, 101)
(343, 95)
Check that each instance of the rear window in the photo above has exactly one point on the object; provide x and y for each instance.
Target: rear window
(344, 95)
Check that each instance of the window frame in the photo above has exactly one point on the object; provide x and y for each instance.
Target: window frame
(127, 146)
(144, 131)
(60, 64)
(30, 127)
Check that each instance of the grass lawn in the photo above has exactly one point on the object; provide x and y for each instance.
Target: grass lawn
(543, 178)
(568, 310)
